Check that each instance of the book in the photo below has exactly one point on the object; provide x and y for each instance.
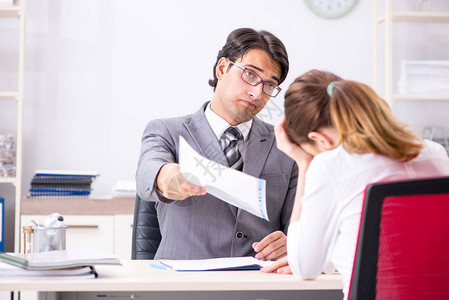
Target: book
(217, 264)
(61, 192)
(62, 173)
(54, 180)
(2, 224)
(74, 186)
(8, 271)
(60, 259)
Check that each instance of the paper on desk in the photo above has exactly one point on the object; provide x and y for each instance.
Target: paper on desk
(234, 187)
(217, 264)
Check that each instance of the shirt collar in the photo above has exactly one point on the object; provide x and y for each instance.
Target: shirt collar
(219, 125)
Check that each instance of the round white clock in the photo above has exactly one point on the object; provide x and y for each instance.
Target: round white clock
(330, 8)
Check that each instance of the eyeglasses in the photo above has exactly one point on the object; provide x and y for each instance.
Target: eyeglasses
(252, 78)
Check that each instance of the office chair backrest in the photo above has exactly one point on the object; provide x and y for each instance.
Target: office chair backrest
(146, 235)
(403, 245)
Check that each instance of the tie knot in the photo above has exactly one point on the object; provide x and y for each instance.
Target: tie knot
(233, 133)
(229, 143)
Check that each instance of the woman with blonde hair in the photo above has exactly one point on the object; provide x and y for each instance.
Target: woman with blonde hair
(343, 137)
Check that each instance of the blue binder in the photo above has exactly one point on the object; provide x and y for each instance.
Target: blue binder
(2, 225)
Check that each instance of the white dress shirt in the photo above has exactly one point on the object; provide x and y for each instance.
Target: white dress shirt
(219, 125)
(325, 237)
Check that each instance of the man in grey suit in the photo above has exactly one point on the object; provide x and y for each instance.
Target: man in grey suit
(197, 225)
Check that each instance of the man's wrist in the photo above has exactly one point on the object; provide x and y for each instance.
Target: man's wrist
(161, 196)
(161, 178)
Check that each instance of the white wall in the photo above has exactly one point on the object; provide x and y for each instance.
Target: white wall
(98, 70)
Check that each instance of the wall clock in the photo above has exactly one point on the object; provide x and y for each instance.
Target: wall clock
(330, 8)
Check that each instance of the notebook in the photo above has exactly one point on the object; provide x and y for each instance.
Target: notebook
(8, 271)
(60, 259)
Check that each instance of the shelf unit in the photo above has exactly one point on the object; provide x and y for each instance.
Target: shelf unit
(104, 224)
(388, 18)
(16, 10)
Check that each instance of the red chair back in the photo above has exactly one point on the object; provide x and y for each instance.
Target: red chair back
(403, 245)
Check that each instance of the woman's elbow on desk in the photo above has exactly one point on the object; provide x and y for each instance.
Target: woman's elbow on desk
(305, 273)
(303, 268)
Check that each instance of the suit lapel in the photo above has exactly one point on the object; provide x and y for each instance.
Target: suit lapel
(203, 137)
(260, 141)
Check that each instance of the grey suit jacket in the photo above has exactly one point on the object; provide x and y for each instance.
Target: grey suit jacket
(204, 226)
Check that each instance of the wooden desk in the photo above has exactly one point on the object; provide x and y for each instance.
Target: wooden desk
(136, 279)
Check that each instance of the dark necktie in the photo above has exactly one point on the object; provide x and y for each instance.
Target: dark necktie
(229, 142)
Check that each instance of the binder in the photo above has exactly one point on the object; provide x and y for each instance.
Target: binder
(8, 271)
(61, 184)
(60, 259)
(2, 225)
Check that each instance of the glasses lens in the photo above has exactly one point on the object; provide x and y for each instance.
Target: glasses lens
(254, 79)
(250, 77)
(270, 89)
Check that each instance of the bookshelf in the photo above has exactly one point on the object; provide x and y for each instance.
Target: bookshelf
(388, 17)
(16, 10)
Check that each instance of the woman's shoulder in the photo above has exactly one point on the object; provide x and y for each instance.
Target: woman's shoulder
(339, 160)
(338, 154)
(331, 160)
(433, 149)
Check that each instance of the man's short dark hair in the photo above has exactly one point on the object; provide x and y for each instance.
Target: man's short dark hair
(242, 40)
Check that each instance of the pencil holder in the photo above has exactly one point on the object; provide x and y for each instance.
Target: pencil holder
(49, 238)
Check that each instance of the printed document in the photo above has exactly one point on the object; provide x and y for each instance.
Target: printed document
(217, 264)
(234, 187)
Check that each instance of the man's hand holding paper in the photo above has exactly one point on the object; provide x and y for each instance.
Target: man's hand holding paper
(174, 186)
(234, 187)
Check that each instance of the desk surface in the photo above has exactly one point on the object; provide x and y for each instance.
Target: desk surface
(137, 275)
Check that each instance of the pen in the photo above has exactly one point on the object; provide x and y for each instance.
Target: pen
(156, 266)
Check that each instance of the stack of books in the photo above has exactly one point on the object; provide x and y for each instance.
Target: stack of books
(424, 77)
(61, 184)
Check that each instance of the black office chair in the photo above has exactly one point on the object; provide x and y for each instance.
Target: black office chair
(146, 234)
